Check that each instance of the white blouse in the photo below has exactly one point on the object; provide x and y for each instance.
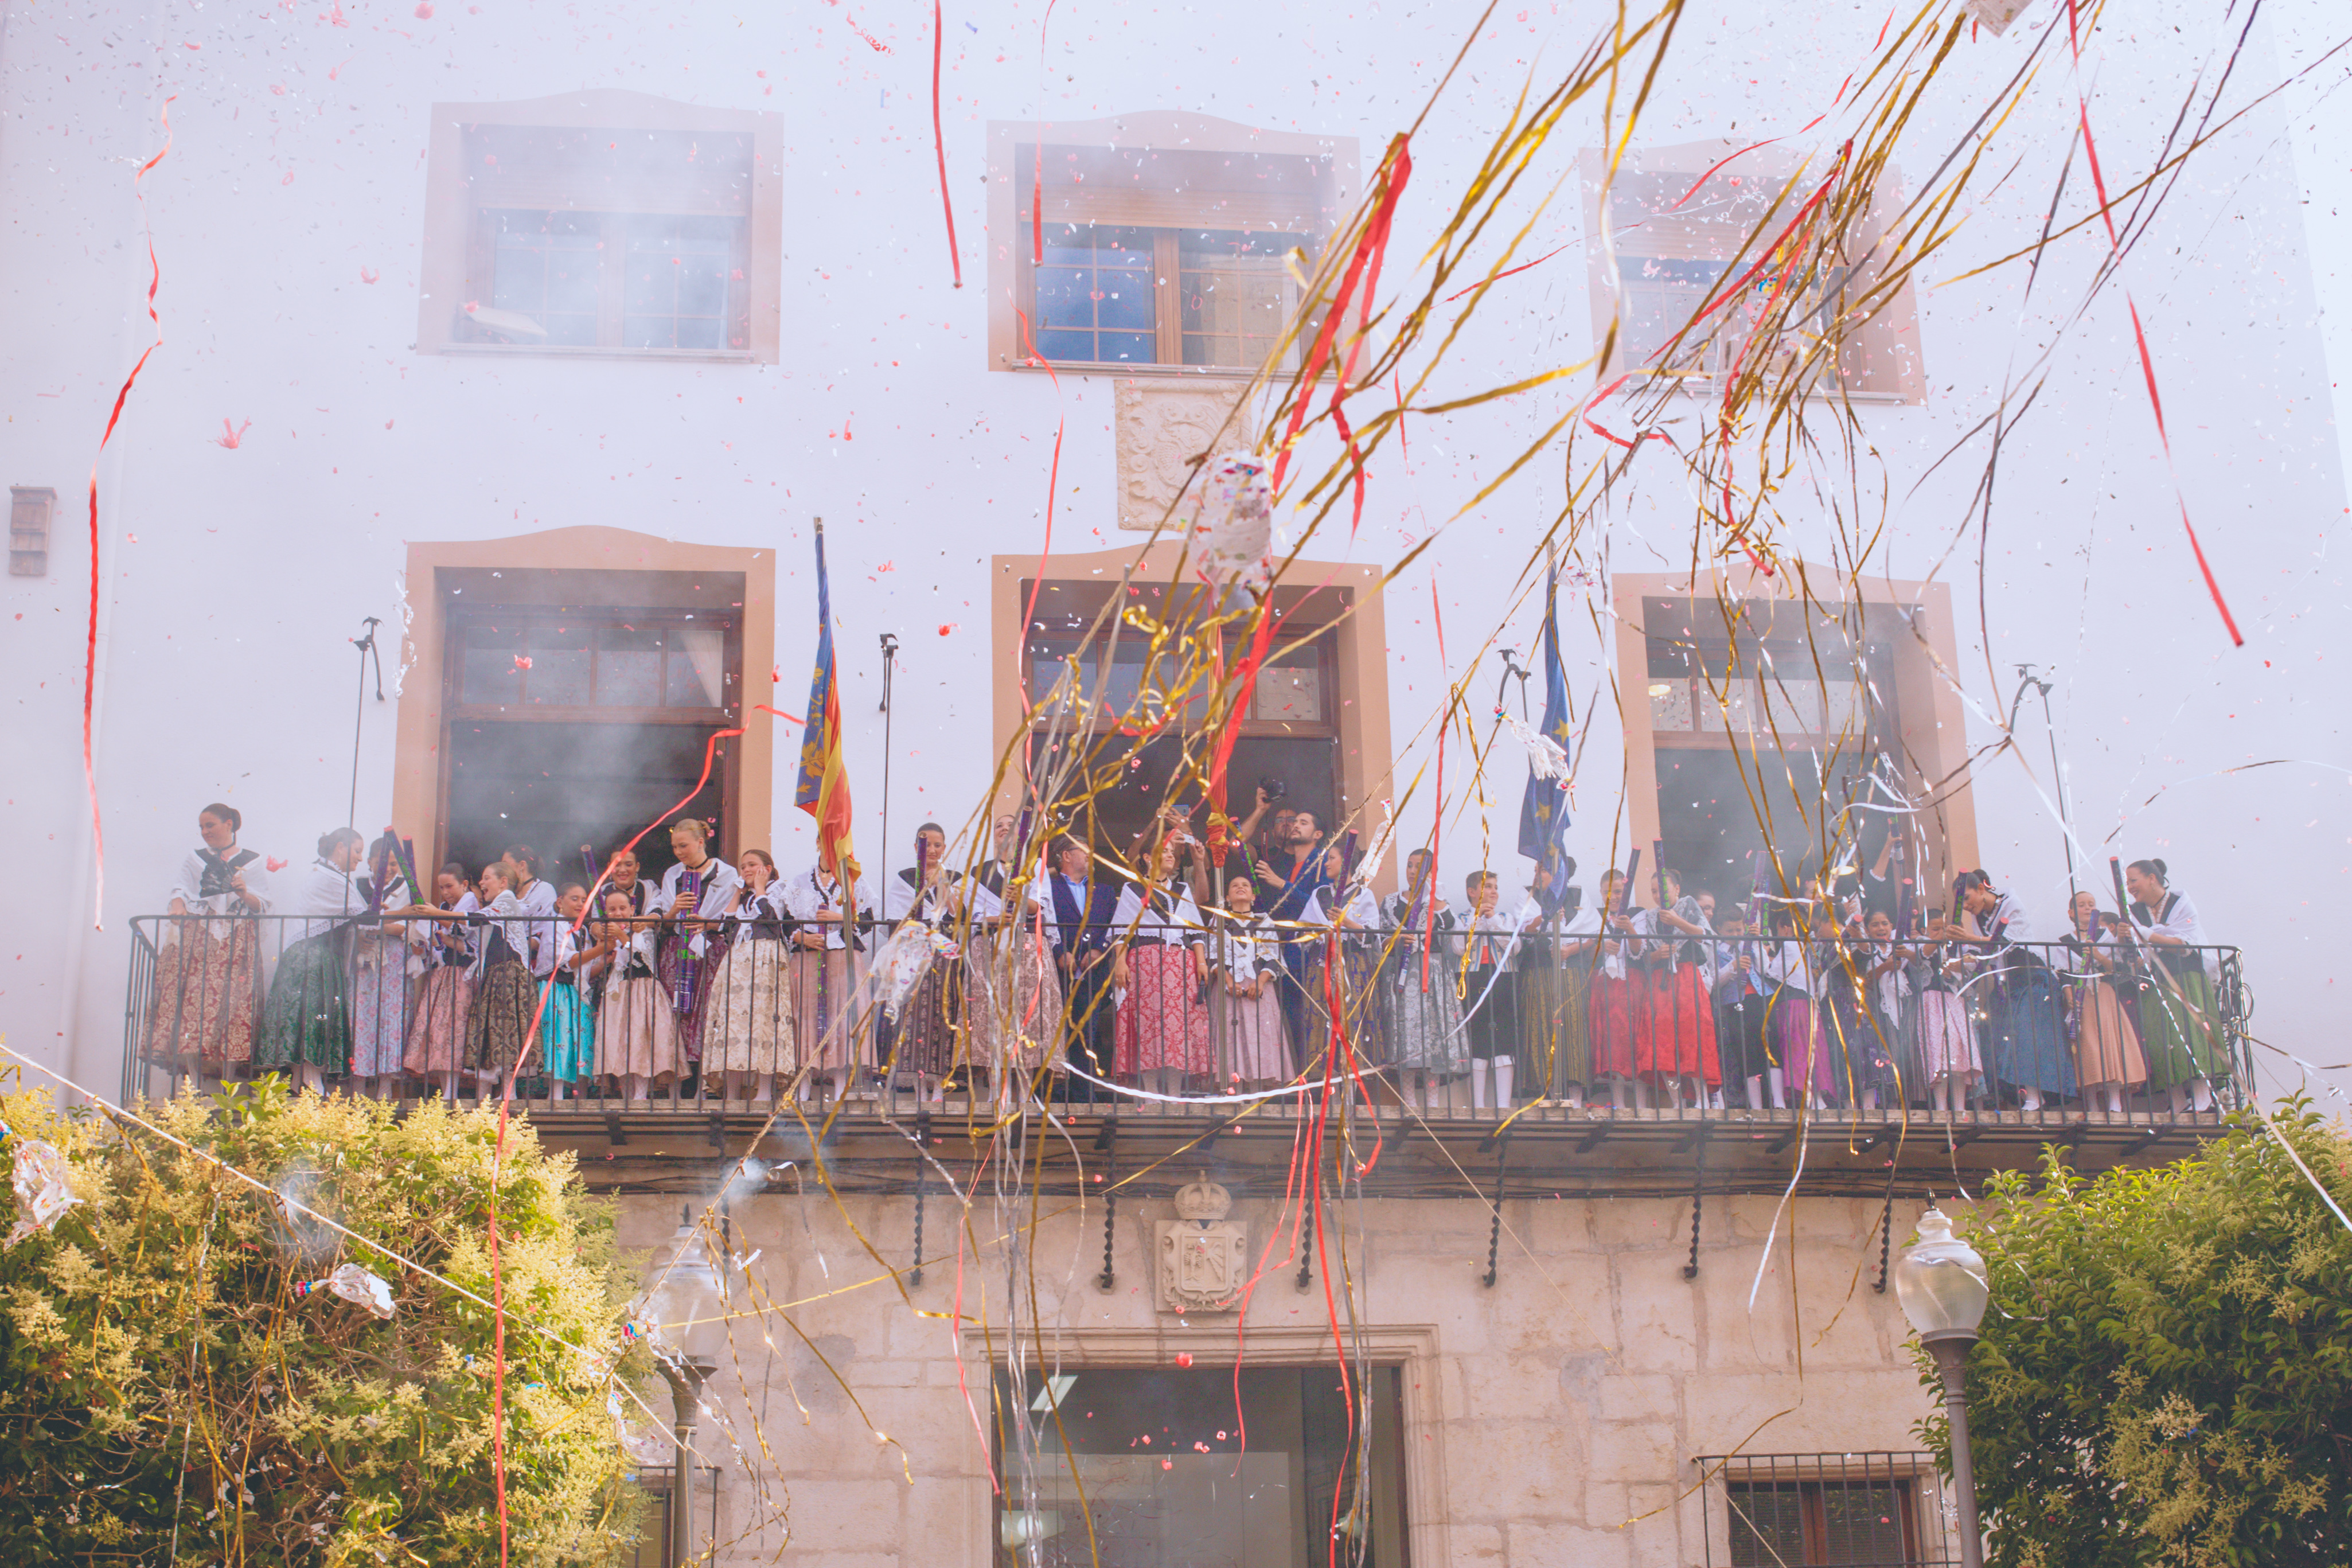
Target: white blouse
(1251, 947)
(513, 920)
(326, 899)
(1360, 907)
(812, 893)
(720, 886)
(190, 877)
(899, 899)
(2175, 917)
(1135, 920)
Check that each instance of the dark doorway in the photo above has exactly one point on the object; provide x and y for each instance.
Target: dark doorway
(1709, 816)
(558, 786)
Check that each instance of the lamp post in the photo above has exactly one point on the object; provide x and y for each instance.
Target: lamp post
(1941, 1285)
(687, 1315)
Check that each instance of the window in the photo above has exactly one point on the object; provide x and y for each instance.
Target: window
(1155, 1462)
(1169, 242)
(29, 529)
(1828, 1510)
(608, 223)
(1686, 223)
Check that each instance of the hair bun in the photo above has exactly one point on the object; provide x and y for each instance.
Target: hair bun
(2161, 874)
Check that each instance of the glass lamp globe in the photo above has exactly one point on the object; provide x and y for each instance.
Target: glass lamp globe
(1940, 1281)
(686, 1311)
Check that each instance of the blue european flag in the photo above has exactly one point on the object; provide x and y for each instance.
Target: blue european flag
(1543, 810)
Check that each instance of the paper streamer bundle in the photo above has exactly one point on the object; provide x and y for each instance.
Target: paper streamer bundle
(42, 1193)
(1232, 528)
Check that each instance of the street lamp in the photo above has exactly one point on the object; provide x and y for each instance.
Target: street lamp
(1941, 1284)
(686, 1318)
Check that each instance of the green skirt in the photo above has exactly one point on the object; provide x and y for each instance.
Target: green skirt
(308, 1020)
(2179, 1028)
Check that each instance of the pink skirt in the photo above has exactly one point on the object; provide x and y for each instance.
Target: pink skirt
(636, 1032)
(1947, 1036)
(436, 1029)
(1254, 1050)
(1162, 1022)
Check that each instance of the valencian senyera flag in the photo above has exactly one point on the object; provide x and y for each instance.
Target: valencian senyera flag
(1543, 810)
(822, 789)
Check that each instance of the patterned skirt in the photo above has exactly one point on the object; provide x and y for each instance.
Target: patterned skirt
(687, 974)
(1801, 1046)
(308, 1021)
(922, 1039)
(1255, 1050)
(506, 1003)
(1555, 1026)
(1424, 1023)
(567, 1032)
(2177, 1021)
(1621, 1027)
(2106, 1046)
(1162, 1023)
(2029, 1037)
(1012, 1000)
(636, 1032)
(1946, 1038)
(379, 1006)
(828, 1015)
(205, 1002)
(436, 1027)
(1359, 990)
(1682, 1025)
(747, 1026)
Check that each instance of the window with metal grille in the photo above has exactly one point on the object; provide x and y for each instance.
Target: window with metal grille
(1850, 1510)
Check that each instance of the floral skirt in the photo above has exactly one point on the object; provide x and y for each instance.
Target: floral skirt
(1162, 1023)
(1621, 1017)
(1424, 1024)
(828, 1015)
(205, 1002)
(922, 1039)
(636, 1032)
(1357, 988)
(506, 1001)
(308, 1021)
(1682, 1025)
(2177, 1021)
(747, 1024)
(1947, 1036)
(1255, 1050)
(436, 1027)
(567, 1032)
(1012, 1001)
(379, 1008)
(1555, 1026)
(2106, 1046)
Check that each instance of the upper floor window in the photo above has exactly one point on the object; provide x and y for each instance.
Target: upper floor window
(601, 223)
(1168, 242)
(1691, 233)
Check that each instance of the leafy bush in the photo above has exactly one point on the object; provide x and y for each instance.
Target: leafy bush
(164, 1372)
(2166, 1374)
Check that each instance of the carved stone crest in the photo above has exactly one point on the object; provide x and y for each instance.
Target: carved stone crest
(1162, 427)
(1201, 1257)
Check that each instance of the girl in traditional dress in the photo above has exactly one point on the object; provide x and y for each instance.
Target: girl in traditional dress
(1013, 991)
(1946, 1032)
(436, 1030)
(1555, 1006)
(1162, 1034)
(1490, 991)
(1742, 1005)
(505, 994)
(1345, 966)
(1886, 971)
(636, 1029)
(385, 956)
(537, 896)
(2177, 1015)
(1862, 1047)
(305, 1028)
(749, 1028)
(1245, 960)
(829, 960)
(622, 873)
(205, 999)
(922, 1040)
(1682, 1016)
(2028, 1044)
(1425, 1014)
(567, 1030)
(1622, 1049)
(1791, 971)
(2108, 1064)
(696, 891)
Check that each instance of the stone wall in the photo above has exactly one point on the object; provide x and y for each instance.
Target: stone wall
(1551, 1418)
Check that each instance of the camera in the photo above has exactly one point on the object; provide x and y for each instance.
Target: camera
(1274, 788)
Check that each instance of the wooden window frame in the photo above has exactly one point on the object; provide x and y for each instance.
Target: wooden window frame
(31, 509)
(454, 249)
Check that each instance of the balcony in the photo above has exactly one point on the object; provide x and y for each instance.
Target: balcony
(205, 998)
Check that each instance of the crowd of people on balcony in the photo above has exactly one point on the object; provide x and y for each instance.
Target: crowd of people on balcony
(1175, 968)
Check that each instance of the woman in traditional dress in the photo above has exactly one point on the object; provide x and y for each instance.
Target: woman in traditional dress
(305, 1028)
(1245, 962)
(1344, 968)
(436, 1029)
(1742, 1005)
(385, 955)
(696, 891)
(1861, 1046)
(1161, 1033)
(829, 960)
(1890, 993)
(1013, 991)
(505, 994)
(2028, 1043)
(205, 998)
(2108, 1063)
(922, 1040)
(567, 1029)
(1681, 1011)
(1555, 968)
(2177, 1015)
(537, 896)
(1946, 1031)
(624, 874)
(636, 1029)
(1425, 1014)
(1621, 1048)
(1791, 968)
(749, 1030)
(1489, 968)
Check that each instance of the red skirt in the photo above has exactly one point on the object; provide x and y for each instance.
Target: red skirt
(1682, 1025)
(1163, 1021)
(1622, 1045)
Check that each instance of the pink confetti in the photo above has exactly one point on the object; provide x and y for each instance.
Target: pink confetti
(231, 435)
(387, 423)
(1167, 1464)
(887, 566)
(425, 10)
(288, 179)
(947, 629)
(522, 660)
(1200, 1447)
(273, 865)
(369, 275)
(1184, 1358)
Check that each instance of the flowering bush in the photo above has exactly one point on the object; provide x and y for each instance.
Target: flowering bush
(2166, 1374)
(171, 1376)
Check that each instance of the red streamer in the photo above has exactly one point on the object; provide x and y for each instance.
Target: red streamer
(1548, 255)
(940, 145)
